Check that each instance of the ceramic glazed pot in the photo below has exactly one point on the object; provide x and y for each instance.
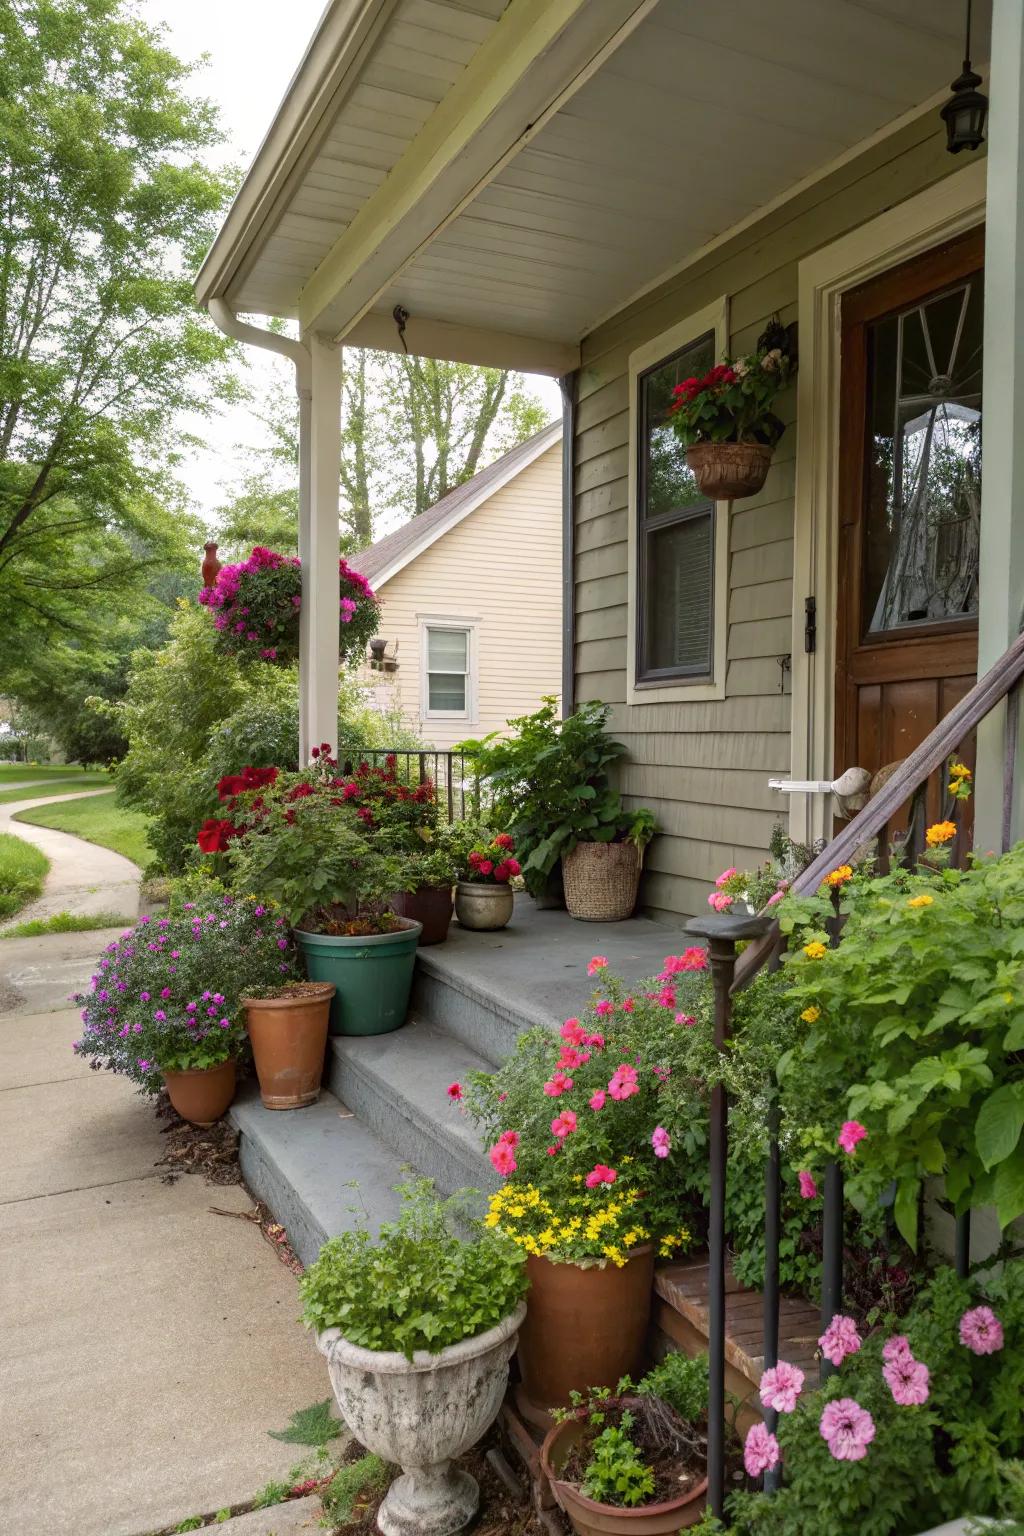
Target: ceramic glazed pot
(429, 905)
(289, 1037)
(372, 975)
(420, 1414)
(729, 471)
(202, 1094)
(483, 907)
(601, 881)
(586, 1327)
(589, 1518)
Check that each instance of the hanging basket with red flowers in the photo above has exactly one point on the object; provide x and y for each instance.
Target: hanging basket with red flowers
(727, 425)
(256, 607)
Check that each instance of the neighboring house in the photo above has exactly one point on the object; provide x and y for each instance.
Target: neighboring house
(473, 632)
(616, 193)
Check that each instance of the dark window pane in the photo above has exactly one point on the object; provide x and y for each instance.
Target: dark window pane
(923, 467)
(446, 691)
(677, 588)
(666, 480)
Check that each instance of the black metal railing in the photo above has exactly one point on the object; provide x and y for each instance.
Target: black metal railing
(460, 793)
(897, 817)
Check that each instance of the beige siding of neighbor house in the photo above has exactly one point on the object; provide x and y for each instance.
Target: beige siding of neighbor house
(703, 768)
(500, 569)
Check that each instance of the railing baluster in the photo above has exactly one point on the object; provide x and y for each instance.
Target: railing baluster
(832, 1254)
(772, 1236)
(1011, 729)
(962, 1245)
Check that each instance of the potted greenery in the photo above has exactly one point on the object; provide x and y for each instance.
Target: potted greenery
(589, 1131)
(634, 1461)
(726, 423)
(418, 1329)
(287, 1029)
(165, 1008)
(305, 844)
(483, 896)
(434, 867)
(602, 872)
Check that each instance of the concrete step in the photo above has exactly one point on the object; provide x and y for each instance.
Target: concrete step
(397, 1084)
(303, 1163)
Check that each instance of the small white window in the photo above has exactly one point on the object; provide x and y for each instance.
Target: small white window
(448, 670)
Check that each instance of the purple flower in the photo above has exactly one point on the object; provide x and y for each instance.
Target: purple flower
(160, 1016)
(840, 1339)
(143, 997)
(282, 943)
(907, 1380)
(165, 992)
(781, 1386)
(981, 1331)
(144, 1066)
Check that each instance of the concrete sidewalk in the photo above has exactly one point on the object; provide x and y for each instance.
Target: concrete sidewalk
(83, 878)
(147, 1345)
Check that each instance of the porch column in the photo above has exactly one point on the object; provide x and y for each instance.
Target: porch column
(318, 551)
(1002, 496)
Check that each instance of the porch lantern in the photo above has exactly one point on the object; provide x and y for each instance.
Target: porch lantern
(966, 110)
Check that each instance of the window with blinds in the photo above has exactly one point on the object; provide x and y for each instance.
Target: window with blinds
(447, 671)
(675, 532)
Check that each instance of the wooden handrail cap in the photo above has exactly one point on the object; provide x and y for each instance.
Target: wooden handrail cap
(726, 927)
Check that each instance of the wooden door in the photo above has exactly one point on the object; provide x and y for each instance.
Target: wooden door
(910, 502)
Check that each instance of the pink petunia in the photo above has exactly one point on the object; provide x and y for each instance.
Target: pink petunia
(509, 1139)
(720, 900)
(760, 1450)
(597, 1100)
(563, 1125)
(557, 1085)
(840, 1339)
(847, 1429)
(597, 963)
(454, 1091)
(572, 1032)
(623, 1083)
(907, 1380)
(628, 1005)
(502, 1159)
(687, 1020)
(808, 1188)
(661, 1141)
(981, 1331)
(600, 1174)
(552, 1151)
(781, 1386)
(569, 1057)
(604, 1008)
(851, 1132)
(725, 876)
(596, 1042)
(896, 1348)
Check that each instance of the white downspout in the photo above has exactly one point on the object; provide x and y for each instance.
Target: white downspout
(224, 317)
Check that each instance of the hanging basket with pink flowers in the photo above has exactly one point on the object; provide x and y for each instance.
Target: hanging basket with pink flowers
(726, 423)
(256, 607)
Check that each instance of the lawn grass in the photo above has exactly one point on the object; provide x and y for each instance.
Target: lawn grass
(21, 773)
(22, 872)
(100, 819)
(67, 922)
(67, 785)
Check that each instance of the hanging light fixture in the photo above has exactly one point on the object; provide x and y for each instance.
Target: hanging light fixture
(966, 110)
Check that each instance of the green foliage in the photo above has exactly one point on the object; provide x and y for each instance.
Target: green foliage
(67, 922)
(615, 1473)
(418, 1286)
(272, 1493)
(192, 1523)
(732, 402)
(65, 786)
(315, 1425)
(22, 872)
(353, 1482)
(681, 1381)
(101, 820)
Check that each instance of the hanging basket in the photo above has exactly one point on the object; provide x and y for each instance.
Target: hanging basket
(729, 471)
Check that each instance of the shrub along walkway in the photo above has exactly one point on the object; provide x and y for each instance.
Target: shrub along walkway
(83, 878)
(147, 1344)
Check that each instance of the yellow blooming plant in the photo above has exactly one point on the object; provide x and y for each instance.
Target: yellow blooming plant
(838, 876)
(940, 833)
(959, 785)
(599, 1224)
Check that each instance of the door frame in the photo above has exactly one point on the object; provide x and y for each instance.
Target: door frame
(949, 208)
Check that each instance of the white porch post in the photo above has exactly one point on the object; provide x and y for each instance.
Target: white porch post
(1002, 496)
(318, 550)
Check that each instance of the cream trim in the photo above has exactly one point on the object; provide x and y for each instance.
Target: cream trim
(947, 209)
(713, 317)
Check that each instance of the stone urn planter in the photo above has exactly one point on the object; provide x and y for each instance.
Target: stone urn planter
(483, 907)
(288, 1033)
(729, 471)
(420, 1414)
(601, 881)
(202, 1095)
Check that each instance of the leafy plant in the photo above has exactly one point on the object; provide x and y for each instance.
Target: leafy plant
(353, 1483)
(732, 402)
(315, 1425)
(272, 1493)
(418, 1286)
(256, 608)
(679, 1380)
(615, 1473)
(191, 1523)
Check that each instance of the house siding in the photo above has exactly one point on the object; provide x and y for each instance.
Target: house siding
(703, 767)
(501, 565)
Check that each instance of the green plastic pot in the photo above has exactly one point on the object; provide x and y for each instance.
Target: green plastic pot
(372, 976)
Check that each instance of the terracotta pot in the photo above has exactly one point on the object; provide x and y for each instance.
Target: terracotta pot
(729, 471)
(202, 1094)
(585, 1327)
(589, 1518)
(483, 907)
(601, 881)
(431, 905)
(289, 1038)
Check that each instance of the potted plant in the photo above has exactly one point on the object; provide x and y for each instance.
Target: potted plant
(634, 1460)
(483, 896)
(602, 872)
(165, 1007)
(726, 423)
(287, 1029)
(431, 900)
(418, 1328)
(305, 844)
(256, 606)
(588, 1130)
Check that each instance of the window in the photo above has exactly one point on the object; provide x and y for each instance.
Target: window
(448, 688)
(675, 567)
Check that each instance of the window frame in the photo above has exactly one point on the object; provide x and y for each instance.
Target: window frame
(673, 685)
(468, 627)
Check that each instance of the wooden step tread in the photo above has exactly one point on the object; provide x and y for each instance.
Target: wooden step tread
(683, 1287)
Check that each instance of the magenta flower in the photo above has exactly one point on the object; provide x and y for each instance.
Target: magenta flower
(604, 1008)
(661, 1141)
(145, 1065)
(847, 1429)
(623, 1083)
(907, 1380)
(850, 1133)
(597, 1100)
(981, 1331)
(687, 1020)
(160, 1016)
(896, 1348)
(808, 1188)
(557, 1084)
(564, 1124)
(502, 1158)
(781, 1386)
(600, 1174)
(760, 1450)
(840, 1339)
(598, 963)
(572, 1032)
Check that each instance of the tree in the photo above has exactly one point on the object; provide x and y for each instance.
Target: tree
(105, 209)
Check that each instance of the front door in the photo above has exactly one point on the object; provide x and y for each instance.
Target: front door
(910, 504)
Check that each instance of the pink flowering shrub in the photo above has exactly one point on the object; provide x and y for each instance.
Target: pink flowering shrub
(256, 605)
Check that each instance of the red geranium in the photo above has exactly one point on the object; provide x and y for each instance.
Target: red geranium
(214, 835)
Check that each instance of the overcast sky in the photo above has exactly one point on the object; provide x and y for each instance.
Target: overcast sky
(254, 47)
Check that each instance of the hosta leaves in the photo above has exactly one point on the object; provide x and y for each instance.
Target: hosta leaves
(1009, 1188)
(999, 1124)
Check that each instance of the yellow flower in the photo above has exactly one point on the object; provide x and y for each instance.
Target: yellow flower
(613, 1253)
(839, 876)
(492, 1218)
(924, 900)
(547, 1238)
(811, 1015)
(941, 832)
(517, 1210)
(815, 950)
(959, 771)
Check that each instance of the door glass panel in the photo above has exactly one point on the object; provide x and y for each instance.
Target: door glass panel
(922, 514)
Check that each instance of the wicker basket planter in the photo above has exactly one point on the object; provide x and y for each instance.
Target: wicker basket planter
(729, 471)
(601, 881)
